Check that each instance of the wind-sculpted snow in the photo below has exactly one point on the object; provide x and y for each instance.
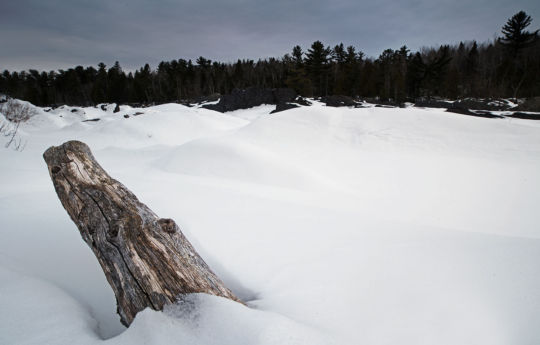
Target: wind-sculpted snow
(338, 225)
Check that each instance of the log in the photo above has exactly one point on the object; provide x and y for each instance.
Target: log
(147, 260)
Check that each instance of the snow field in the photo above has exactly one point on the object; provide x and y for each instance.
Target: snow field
(339, 226)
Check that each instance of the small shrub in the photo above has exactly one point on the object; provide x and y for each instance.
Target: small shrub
(17, 112)
(14, 113)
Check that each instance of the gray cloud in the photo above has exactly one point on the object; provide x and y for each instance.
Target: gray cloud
(59, 33)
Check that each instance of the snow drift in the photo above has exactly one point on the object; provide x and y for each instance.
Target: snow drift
(337, 225)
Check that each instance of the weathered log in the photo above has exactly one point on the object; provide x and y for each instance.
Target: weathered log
(147, 260)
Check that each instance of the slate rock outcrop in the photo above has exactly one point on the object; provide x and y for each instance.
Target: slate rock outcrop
(252, 97)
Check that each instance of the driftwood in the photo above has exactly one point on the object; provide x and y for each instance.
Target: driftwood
(146, 259)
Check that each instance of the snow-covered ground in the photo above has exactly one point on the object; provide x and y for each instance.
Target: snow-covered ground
(338, 226)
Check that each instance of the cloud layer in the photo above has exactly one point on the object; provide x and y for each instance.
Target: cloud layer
(59, 34)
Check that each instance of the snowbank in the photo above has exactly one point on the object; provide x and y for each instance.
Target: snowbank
(339, 226)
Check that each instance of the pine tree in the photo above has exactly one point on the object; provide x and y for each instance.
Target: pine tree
(515, 37)
(296, 78)
(297, 56)
(99, 89)
(471, 69)
(117, 84)
(317, 67)
(339, 54)
(384, 64)
(351, 71)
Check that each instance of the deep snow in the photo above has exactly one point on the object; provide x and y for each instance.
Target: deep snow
(339, 226)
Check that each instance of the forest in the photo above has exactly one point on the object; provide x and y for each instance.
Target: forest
(505, 67)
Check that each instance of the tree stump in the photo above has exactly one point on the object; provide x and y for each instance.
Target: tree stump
(147, 260)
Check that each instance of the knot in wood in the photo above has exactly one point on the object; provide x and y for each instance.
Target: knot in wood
(168, 225)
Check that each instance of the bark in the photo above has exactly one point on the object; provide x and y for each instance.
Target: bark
(147, 260)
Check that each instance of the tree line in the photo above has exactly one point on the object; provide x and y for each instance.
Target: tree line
(506, 67)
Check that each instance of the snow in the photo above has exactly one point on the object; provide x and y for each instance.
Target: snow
(337, 225)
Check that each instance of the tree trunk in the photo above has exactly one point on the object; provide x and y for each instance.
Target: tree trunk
(146, 259)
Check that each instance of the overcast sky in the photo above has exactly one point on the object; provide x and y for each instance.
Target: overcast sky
(52, 34)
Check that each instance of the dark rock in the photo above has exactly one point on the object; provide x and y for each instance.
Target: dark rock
(126, 116)
(135, 105)
(138, 113)
(284, 95)
(252, 97)
(78, 111)
(339, 101)
(463, 111)
(432, 103)
(205, 99)
(116, 109)
(302, 101)
(480, 104)
(487, 114)
(91, 120)
(466, 103)
(530, 104)
(384, 103)
(283, 107)
(104, 107)
(526, 116)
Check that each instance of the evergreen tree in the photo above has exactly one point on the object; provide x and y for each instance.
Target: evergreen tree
(471, 70)
(317, 67)
(100, 88)
(516, 40)
(351, 71)
(339, 54)
(384, 64)
(510, 66)
(415, 75)
(515, 37)
(117, 84)
(399, 74)
(142, 85)
(297, 56)
(297, 79)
